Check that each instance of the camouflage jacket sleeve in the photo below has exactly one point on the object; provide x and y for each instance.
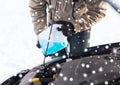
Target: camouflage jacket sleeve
(38, 13)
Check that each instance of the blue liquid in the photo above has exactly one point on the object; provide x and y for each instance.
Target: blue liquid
(53, 46)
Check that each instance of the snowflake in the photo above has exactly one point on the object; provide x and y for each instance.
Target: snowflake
(41, 3)
(60, 2)
(100, 69)
(90, 61)
(87, 66)
(38, 20)
(71, 79)
(74, 47)
(76, 11)
(38, 71)
(42, 20)
(106, 82)
(63, 56)
(50, 6)
(80, 20)
(52, 84)
(96, 51)
(72, 3)
(78, 36)
(33, 14)
(53, 69)
(106, 63)
(69, 18)
(76, 20)
(56, 54)
(65, 78)
(111, 70)
(83, 40)
(118, 10)
(106, 47)
(113, 80)
(105, 74)
(66, 1)
(88, 41)
(98, 47)
(36, 13)
(55, 17)
(91, 57)
(83, 65)
(118, 65)
(93, 72)
(30, 80)
(115, 62)
(114, 51)
(58, 65)
(85, 50)
(85, 75)
(92, 83)
(111, 60)
(61, 74)
(68, 59)
(98, 56)
(20, 75)
(88, 16)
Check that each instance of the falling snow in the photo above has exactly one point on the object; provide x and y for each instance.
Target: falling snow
(53, 69)
(83, 65)
(20, 75)
(65, 78)
(27, 44)
(111, 60)
(114, 51)
(100, 69)
(85, 50)
(87, 66)
(107, 47)
(93, 72)
(63, 56)
(58, 66)
(106, 83)
(71, 79)
(61, 74)
(85, 75)
(52, 83)
(92, 83)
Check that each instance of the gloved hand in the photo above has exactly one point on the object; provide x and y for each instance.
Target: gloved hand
(38, 44)
(67, 28)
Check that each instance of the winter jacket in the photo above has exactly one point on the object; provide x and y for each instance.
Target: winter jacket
(81, 13)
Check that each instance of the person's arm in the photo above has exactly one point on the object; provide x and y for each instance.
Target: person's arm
(38, 13)
(115, 4)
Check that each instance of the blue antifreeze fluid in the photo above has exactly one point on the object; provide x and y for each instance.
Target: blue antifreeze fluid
(53, 47)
